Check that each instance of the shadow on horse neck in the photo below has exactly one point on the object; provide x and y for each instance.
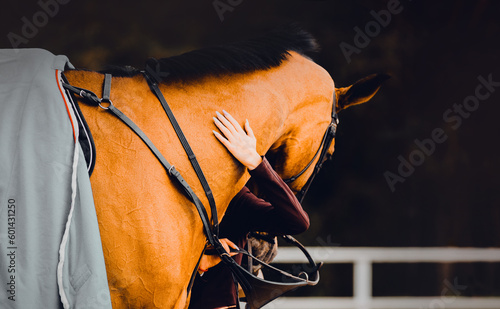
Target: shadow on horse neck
(151, 233)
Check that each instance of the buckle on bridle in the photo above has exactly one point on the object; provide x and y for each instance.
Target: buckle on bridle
(105, 107)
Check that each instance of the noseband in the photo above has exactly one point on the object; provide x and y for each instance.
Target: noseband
(326, 142)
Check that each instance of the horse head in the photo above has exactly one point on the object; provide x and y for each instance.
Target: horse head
(295, 154)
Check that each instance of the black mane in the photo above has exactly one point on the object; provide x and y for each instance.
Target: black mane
(240, 57)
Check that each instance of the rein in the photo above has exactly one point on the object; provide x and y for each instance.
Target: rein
(258, 291)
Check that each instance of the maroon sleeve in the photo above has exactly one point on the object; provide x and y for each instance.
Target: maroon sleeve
(280, 212)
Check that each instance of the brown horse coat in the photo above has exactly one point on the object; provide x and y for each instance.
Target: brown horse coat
(152, 236)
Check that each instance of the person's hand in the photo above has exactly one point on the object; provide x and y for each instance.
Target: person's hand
(242, 145)
(209, 261)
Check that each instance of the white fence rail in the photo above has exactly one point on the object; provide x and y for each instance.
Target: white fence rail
(363, 258)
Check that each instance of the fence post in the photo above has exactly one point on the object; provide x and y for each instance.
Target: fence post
(362, 283)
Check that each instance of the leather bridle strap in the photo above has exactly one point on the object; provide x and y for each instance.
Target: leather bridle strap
(323, 149)
(329, 136)
(153, 84)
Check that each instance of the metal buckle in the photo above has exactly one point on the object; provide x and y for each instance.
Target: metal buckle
(105, 107)
(336, 117)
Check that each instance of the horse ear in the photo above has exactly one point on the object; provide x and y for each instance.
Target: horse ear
(360, 92)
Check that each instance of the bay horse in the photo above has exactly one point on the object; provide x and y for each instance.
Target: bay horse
(151, 233)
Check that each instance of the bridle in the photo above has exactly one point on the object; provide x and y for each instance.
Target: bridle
(326, 142)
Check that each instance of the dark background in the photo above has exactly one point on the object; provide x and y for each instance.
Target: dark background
(435, 52)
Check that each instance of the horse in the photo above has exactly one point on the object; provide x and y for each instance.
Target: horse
(151, 233)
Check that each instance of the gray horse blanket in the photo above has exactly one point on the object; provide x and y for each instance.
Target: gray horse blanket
(50, 248)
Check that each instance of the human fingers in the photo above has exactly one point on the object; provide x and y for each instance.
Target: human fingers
(226, 246)
(233, 121)
(249, 129)
(226, 123)
(227, 133)
(223, 140)
(226, 243)
(230, 243)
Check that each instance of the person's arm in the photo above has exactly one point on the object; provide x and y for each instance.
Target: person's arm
(281, 213)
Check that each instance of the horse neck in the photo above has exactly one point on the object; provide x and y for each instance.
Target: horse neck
(308, 102)
(127, 175)
(194, 105)
(288, 108)
(247, 96)
(281, 105)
